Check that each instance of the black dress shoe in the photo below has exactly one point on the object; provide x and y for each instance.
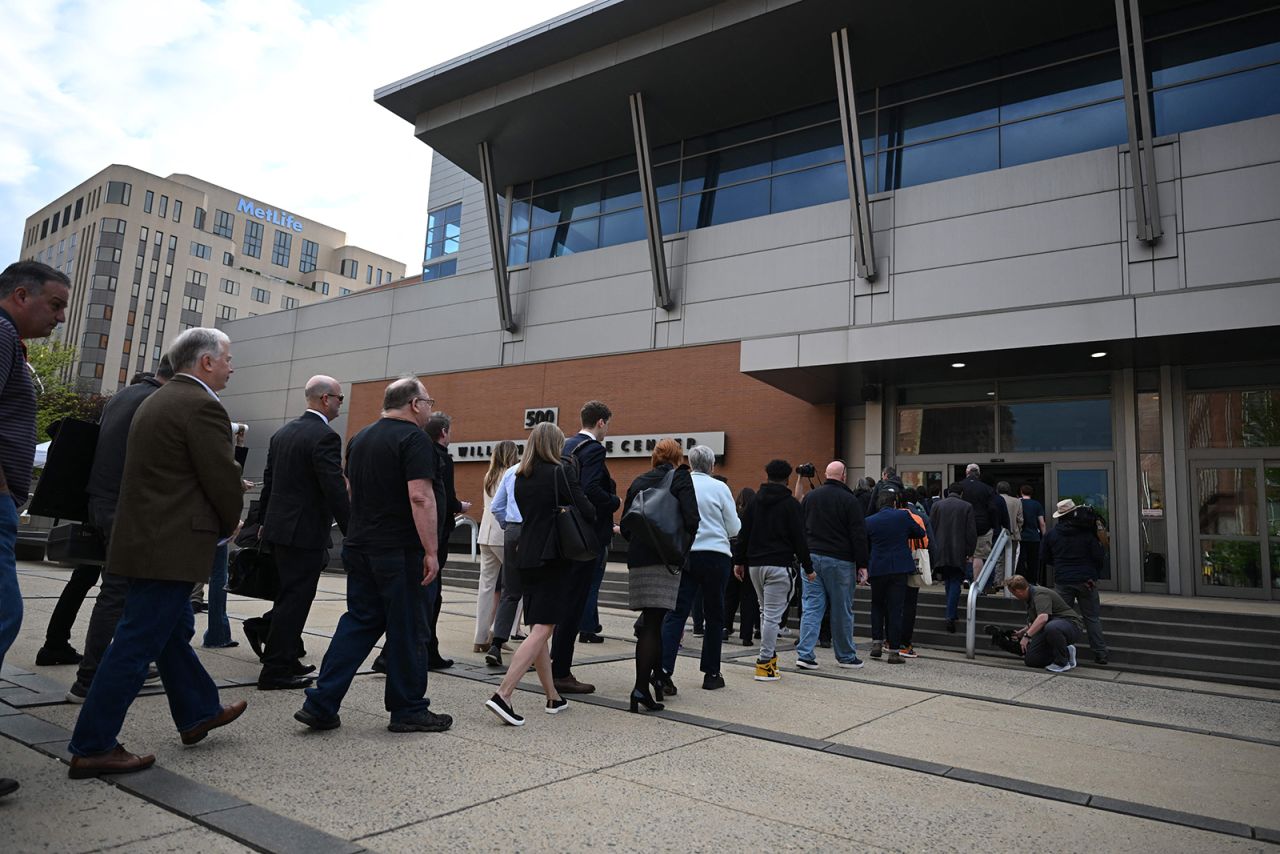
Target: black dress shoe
(63, 654)
(199, 607)
(379, 664)
(300, 669)
(440, 663)
(284, 683)
(253, 634)
(590, 637)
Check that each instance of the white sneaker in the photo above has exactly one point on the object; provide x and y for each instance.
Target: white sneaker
(1071, 653)
(1058, 668)
(786, 633)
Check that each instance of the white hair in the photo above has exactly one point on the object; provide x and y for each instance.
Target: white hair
(702, 458)
(188, 348)
(972, 468)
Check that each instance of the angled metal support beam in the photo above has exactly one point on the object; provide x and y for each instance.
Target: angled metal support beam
(649, 195)
(859, 207)
(1137, 111)
(497, 246)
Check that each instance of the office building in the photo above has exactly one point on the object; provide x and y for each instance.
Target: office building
(149, 257)
(1042, 238)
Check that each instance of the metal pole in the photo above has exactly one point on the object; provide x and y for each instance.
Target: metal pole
(649, 196)
(860, 208)
(497, 246)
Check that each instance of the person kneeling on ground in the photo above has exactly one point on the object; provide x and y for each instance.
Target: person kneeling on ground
(1053, 627)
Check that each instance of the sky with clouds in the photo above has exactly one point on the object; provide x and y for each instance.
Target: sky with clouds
(271, 98)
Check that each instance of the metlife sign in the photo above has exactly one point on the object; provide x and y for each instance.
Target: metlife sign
(280, 218)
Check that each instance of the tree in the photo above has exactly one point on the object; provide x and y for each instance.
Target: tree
(56, 397)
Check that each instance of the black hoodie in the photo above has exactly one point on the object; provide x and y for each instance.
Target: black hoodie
(772, 530)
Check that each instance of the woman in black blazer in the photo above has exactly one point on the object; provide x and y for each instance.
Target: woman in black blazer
(544, 483)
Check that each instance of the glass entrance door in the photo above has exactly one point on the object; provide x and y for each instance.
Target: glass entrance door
(1237, 536)
(1091, 484)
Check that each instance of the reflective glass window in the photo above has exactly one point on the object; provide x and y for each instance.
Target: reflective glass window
(1247, 418)
(937, 161)
(946, 430)
(518, 249)
(1218, 101)
(569, 204)
(726, 205)
(1060, 425)
(942, 115)
(810, 187)
(1228, 501)
(623, 227)
(622, 192)
(810, 147)
(1083, 129)
(727, 167)
(520, 215)
(1209, 51)
(1059, 87)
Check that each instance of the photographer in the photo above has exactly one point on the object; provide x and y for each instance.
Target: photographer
(1075, 552)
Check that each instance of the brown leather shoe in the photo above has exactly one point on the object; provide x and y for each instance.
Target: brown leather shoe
(570, 685)
(117, 761)
(228, 714)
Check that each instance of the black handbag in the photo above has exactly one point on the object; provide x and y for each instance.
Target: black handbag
(574, 540)
(253, 573)
(76, 543)
(655, 513)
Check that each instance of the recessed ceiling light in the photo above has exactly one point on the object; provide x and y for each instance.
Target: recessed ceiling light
(957, 364)
(1098, 355)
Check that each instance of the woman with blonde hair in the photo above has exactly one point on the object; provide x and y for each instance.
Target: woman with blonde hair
(544, 483)
(652, 586)
(489, 541)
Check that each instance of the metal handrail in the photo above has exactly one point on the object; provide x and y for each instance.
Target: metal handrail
(979, 584)
(462, 519)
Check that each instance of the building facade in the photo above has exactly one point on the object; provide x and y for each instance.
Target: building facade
(149, 257)
(1043, 240)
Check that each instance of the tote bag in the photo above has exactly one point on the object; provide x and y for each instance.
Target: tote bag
(574, 539)
(655, 512)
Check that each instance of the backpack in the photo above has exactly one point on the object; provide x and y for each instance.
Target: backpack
(655, 514)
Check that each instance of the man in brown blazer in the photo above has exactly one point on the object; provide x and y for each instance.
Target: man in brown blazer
(181, 495)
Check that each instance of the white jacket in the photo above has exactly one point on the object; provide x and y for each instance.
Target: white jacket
(719, 516)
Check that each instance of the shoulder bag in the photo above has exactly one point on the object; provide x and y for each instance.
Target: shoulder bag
(655, 512)
(574, 538)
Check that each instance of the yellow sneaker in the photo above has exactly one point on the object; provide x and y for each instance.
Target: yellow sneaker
(767, 671)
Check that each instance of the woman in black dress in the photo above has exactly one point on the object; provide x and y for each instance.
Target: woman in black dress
(544, 482)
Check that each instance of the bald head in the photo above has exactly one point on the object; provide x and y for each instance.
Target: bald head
(836, 471)
(324, 394)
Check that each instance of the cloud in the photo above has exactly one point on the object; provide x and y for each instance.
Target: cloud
(271, 98)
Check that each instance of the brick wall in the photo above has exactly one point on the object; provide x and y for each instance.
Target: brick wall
(679, 390)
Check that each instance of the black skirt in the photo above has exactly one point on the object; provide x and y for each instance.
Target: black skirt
(546, 593)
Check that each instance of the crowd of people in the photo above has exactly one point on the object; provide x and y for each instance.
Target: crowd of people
(550, 514)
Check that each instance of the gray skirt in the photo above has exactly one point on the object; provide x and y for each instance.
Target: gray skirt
(652, 587)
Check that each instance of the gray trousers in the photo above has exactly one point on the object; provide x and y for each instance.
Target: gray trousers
(109, 605)
(503, 622)
(1049, 645)
(1086, 601)
(775, 585)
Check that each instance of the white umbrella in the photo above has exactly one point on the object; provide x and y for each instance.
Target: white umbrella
(42, 454)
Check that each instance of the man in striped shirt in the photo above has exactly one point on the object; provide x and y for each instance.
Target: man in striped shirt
(33, 300)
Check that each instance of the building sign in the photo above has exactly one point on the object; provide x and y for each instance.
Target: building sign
(618, 447)
(546, 415)
(280, 218)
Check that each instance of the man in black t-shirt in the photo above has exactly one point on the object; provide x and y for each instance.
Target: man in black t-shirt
(390, 554)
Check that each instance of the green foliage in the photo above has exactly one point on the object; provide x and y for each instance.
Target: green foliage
(56, 397)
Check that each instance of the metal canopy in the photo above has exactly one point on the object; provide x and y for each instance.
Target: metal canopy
(769, 62)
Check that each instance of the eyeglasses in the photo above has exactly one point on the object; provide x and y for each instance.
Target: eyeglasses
(431, 401)
(341, 397)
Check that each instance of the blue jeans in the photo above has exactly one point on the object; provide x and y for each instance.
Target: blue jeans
(833, 590)
(10, 595)
(704, 580)
(219, 631)
(384, 595)
(591, 613)
(157, 625)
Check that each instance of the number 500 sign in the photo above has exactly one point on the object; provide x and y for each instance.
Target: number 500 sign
(534, 417)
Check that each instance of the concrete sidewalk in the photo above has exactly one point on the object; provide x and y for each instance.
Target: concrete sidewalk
(938, 754)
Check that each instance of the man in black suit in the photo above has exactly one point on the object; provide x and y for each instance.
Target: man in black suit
(447, 508)
(588, 450)
(303, 493)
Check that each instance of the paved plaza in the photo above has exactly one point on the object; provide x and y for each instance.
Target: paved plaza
(938, 754)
